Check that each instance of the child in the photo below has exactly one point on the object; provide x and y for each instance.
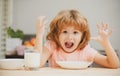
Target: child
(68, 41)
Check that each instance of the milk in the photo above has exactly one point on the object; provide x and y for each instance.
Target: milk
(32, 59)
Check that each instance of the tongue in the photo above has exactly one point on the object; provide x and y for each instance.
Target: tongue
(68, 44)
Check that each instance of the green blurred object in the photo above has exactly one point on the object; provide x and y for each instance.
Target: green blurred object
(15, 34)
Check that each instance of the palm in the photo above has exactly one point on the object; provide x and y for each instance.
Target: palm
(41, 22)
(103, 33)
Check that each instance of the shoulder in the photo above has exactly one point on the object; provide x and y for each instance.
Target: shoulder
(50, 45)
(89, 52)
(89, 49)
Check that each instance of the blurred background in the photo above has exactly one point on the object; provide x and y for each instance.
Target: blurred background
(22, 14)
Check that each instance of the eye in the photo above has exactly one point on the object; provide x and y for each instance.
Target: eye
(75, 32)
(65, 32)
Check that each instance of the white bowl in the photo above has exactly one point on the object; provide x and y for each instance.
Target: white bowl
(74, 64)
(11, 63)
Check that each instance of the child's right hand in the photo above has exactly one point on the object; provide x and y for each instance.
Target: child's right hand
(41, 22)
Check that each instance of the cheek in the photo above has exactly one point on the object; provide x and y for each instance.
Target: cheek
(61, 37)
(78, 37)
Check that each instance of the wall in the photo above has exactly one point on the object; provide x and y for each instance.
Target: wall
(26, 12)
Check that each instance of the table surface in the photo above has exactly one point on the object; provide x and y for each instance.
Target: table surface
(47, 71)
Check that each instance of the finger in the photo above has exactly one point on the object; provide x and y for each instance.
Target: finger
(45, 22)
(98, 26)
(38, 23)
(110, 32)
(41, 20)
(41, 17)
(103, 26)
(106, 26)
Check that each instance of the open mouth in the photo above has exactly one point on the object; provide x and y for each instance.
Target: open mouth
(69, 44)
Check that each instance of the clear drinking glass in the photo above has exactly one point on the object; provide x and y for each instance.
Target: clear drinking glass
(32, 59)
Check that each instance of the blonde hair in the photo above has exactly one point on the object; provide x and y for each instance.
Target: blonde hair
(68, 18)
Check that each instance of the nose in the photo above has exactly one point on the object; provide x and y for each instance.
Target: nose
(70, 36)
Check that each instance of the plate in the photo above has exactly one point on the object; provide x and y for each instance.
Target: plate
(74, 64)
(11, 63)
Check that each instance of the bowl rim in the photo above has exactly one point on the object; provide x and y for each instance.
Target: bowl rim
(66, 64)
(11, 59)
(74, 61)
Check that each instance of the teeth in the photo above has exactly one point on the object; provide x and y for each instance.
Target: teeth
(68, 44)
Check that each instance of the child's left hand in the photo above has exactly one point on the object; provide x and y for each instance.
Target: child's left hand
(103, 33)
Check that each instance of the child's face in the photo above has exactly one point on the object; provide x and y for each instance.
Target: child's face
(70, 38)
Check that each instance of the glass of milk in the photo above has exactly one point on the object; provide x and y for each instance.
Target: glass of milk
(32, 59)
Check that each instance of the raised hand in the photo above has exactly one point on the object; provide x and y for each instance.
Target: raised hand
(41, 24)
(103, 33)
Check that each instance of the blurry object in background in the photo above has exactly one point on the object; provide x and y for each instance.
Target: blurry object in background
(15, 34)
(20, 50)
(14, 48)
(27, 37)
(11, 44)
(6, 19)
(18, 53)
(14, 56)
(27, 44)
(30, 42)
(13, 41)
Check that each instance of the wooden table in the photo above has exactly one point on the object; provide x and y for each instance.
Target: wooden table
(47, 71)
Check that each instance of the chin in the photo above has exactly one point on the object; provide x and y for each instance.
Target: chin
(69, 50)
